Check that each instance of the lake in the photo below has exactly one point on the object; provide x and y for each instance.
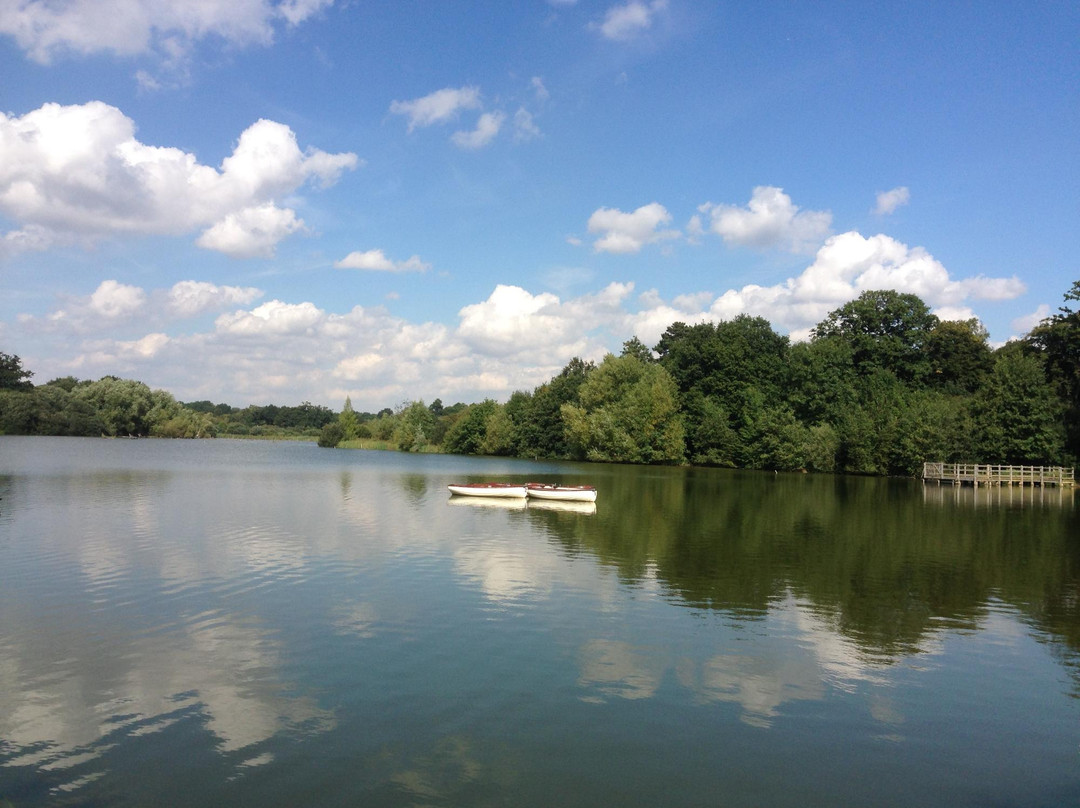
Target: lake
(188, 623)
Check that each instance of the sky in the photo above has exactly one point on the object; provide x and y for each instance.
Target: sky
(279, 201)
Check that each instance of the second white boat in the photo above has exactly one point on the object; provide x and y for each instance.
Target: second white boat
(564, 493)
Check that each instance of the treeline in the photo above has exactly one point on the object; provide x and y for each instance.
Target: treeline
(126, 408)
(881, 386)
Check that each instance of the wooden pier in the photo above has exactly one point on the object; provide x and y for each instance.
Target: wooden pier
(977, 474)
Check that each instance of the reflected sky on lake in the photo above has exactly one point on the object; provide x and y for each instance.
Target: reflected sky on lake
(224, 613)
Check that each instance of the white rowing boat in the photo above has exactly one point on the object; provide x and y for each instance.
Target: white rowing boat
(564, 493)
(488, 490)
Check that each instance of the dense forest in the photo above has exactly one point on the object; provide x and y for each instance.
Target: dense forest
(882, 385)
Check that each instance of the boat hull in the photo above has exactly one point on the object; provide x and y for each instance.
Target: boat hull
(562, 493)
(488, 490)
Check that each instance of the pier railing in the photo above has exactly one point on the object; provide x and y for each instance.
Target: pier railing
(985, 474)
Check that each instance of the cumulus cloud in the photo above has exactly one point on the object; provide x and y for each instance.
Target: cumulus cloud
(164, 29)
(515, 339)
(629, 232)
(376, 261)
(437, 107)
(273, 318)
(889, 201)
(625, 22)
(77, 173)
(114, 306)
(113, 300)
(1023, 324)
(849, 264)
(487, 127)
(770, 220)
(251, 232)
(192, 298)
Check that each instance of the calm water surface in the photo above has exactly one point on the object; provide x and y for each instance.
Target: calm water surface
(273, 624)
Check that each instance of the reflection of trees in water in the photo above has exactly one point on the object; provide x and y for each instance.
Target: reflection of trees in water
(414, 486)
(869, 556)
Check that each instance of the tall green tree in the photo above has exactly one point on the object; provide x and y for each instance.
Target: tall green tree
(1057, 339)
(885, 330)
(541, 431)
(959, 354)
(415, 424)
(1018, 415)
(628, 413)
(13, 376)
(468, 434)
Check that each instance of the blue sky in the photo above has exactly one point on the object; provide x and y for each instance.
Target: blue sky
(258, 201)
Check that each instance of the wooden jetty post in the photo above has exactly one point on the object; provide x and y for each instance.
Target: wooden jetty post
(985, 474)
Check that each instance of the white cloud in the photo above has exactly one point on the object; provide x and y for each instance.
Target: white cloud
(273, 318)
(77, 173)
(525, 127)
(251, 232)
(889, 201)
(113, 300)
(625, 22)
(115, 306)
(849, 264)
(769, 220)
(376, 260)
(487, 127)
(515, 339)
(629, 232)
(1024, 324)
(191, 298)
(437, 107)
(164, 29)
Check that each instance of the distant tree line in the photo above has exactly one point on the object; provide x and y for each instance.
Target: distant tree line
(882, 385)
(118, 407)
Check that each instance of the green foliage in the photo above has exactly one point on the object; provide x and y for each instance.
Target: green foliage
(540, 428)
(184, 423)
(959, 355)
(886, 330)
(823, 384)
(710, 439)
(469, 430)
(331, 435)
(1057, 339)
(126, 406)
(628, 413)
(414, 425)
(636, 348)
(13, 376)
(1018, 416)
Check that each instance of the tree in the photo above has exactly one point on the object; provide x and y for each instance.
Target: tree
(12, 374)
(1017, 414)
(960, 355)
(823, 382)
(637, 348)
(541, 431)
(885, 329)
(331, 435)
(1057, 339)
(348, 421)
(414, 427)
(467, 434)
(714, 366)
(123, 405)
(628, 413)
